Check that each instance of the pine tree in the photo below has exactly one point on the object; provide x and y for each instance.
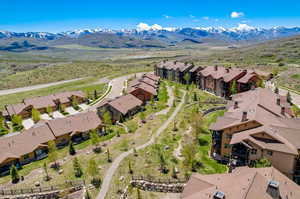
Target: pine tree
(77, 168)
(14, 174)
(95, 94)
(174, 173)
(95, 140)
(108, 156)
(233, 88)
(138, 192)
(94, 172)
(36, 115)
(52, 153)
(289, 97)
(47, 177)
(49, 110)
(72, 150)
(195, 97)
(129, 168)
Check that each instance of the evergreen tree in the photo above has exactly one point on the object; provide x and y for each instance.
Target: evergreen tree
(138, 192)
(94, 172)
(36, 115)
(72, 150)
(233, 88)
(77, 168)
(52, 153)
(108, 156)
(14, 174)
(195, 97)
(174, 173)
(75, 103)
(186, 77)
(129, 168)
(95, 140)
(289, 97)
(49, 110)
(276, 90)
(17, 120)
(47, 177)
(95, 94)
(162, 163)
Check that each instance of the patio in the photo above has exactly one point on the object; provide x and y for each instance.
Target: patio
(84, 106)
(57, 114)
(45, 116)
(71, 110)
(28, 123)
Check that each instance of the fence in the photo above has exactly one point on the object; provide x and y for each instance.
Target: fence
(34, 190)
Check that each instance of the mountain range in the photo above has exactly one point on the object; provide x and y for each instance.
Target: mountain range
(154, 36)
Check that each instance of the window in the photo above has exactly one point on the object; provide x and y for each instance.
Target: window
(227, 146)
(228, 136)
(26, 156)
(270, 153)
(253, 151)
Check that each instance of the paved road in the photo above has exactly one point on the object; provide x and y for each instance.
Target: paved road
(113, 168)
(29, 88)
(295, 96)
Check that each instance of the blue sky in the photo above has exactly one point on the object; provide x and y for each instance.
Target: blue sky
(62, 15)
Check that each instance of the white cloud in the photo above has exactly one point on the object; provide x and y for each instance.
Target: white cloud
(237, 14)
(192, 16)
(144, 26)
(243, 27)
(167, 16)
(205, 18)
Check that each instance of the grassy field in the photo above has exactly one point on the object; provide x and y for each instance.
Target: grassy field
(85, 85)
(147, 162)
(140, 134)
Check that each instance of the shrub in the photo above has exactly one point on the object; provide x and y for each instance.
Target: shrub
(71, 149)
(14, 174)
(36, 115)
(77, 168)
(263, 162)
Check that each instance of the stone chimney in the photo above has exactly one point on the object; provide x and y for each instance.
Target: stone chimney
(278, 101)
(273, 189)
(236, 104)
(227, 70)
(282, 110)
(216, 67)
(175, 62)
(244, 116)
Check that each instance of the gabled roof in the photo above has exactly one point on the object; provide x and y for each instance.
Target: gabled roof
(145, 87)
(151, 76)
(242, 183)
(80, 122)
(125, 103)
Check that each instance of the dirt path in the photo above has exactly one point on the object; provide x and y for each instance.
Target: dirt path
(169, 103)
(111, 171)
(177, 151)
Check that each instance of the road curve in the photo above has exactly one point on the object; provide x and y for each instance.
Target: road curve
(115, 164)
(29, 88)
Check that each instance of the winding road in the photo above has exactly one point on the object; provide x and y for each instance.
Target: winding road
(115, 164)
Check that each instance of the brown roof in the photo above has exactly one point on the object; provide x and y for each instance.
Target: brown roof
(174, 65)
(75, 123)
(261, 106)
(43, 101)
(25, 142)
(243, 183)
(195, 69)
(217, 72)
(151, 76)
(125, 103)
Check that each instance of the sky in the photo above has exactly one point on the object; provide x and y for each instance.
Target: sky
(63, 15)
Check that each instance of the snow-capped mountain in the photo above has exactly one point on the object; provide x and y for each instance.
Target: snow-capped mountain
(158, 34)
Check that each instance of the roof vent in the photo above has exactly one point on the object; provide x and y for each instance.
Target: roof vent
(219, 195)
(278, 101)
(273, 189)
(227, 70)
(244, 116)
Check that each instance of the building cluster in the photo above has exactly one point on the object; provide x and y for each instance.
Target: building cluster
(139, 91)
(258, 124)
(215, 79)
(32, 144)
(41, 104)
(242, 183)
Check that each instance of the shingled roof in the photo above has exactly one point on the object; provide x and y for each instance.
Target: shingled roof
(42, 101)
(243, 183)
(260, 105)
(125, 103)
